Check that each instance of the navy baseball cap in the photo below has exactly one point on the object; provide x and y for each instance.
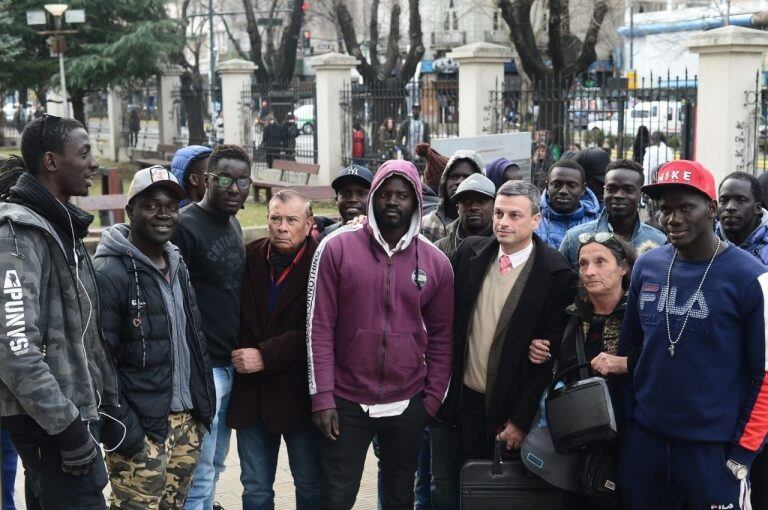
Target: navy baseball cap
(356, 172)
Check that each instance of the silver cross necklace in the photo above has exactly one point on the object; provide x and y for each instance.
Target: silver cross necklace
(673, 343)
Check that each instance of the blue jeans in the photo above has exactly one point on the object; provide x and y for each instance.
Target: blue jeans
(424, 474)
(259, 448)
(215, 446)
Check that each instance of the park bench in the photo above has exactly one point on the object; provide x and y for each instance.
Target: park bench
(160, 157)
(311, 192)
(110, 205)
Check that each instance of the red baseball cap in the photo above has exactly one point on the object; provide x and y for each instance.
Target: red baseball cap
(682, 173)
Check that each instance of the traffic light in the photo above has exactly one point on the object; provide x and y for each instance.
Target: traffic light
(305, 6)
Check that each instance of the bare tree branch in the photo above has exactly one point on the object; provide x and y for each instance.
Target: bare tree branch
(393, 41)
(269, 57)
(416, 50)
(588, 54)
(235, 42)
(347, 25)
(373, 30)
(556, 8)
(517, 15)
(562, 45)
(289, 43)
(255, 39)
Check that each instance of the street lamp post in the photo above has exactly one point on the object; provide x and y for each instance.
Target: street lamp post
(57, 11)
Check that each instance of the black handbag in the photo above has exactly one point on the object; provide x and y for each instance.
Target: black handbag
(598, 473)
(581, 412)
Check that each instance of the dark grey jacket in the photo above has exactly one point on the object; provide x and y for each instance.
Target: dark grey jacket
(54, 363)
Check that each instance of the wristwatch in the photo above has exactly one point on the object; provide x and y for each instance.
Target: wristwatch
(739, 471)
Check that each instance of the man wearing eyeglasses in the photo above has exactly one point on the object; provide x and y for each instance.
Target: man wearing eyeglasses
(270, 398)
(211, 241)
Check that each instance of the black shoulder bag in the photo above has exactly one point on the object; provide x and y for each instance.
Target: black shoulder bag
(581, 412)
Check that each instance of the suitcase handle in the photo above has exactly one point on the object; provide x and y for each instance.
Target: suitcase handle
(497, 449)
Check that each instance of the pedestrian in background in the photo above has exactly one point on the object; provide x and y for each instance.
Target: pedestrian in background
(134, 126)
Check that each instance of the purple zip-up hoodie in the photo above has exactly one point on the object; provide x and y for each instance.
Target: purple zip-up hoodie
(379, 326)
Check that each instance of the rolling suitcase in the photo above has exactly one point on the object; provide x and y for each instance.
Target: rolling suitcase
(508, 485)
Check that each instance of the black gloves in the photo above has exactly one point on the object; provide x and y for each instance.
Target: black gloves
(77, 448)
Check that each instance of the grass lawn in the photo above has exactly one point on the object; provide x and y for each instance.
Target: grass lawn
(254, 213)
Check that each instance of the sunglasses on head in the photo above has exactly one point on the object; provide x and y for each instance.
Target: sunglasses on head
(46, 117)
(604, 238)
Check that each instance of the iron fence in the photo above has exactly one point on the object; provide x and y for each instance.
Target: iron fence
(752, 138)
(619, 116)
(375, 118)
(279, 122)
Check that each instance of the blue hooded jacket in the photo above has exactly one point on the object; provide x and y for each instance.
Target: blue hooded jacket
(181, 161)
(554, 225)
(756, 243)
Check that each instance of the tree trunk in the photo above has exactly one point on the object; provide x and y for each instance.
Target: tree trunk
(192, 97)
(78, 107)
(551, 95)
(42, 95)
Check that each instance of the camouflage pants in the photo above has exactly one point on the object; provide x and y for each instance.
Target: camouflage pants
(159, 476)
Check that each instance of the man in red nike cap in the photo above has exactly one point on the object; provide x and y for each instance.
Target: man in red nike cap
(698, 401)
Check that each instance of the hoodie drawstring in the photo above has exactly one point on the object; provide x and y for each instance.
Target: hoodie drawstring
(137, 321)
(418, 279)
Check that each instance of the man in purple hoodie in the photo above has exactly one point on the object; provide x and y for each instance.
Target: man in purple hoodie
(384, 368)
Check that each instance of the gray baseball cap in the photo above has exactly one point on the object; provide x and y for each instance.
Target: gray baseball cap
(476, 183)
(154, 176)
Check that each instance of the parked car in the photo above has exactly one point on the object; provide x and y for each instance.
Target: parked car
(666, 116)
(8, 110)
(305, 118)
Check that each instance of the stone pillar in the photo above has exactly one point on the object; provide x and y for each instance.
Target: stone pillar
(235, 89)
(168, 114)
(115, 123)
(729, 60)
(333, 75)
(481, 71)
(55, 104)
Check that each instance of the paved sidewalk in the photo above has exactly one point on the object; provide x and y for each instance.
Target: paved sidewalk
(229, 489)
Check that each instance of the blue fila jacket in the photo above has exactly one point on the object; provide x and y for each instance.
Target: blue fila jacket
(714, 388)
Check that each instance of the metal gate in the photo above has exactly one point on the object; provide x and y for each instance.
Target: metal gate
(282, 122)
(379, 111)
(619, 116)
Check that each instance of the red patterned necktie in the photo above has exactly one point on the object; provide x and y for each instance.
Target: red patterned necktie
(505, 265)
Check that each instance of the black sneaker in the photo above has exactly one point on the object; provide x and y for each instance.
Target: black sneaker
(217, 506)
